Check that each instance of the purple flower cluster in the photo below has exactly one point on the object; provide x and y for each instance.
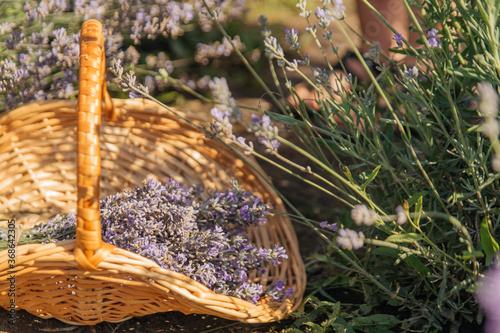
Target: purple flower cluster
(433, 40)
(363, 215)
(205, 52)
(145, 19)
(266, 133)
(349, 239)
(201, 238)
(163, 18)
(273, 48)
(411, 73)
(321, 76)
(42, 61)
(488, 295)
(3, 234)
(221, 93)
(292, 38)
(399, 39)
(221, 126)
(326, 225)
(263, 129)
(327, 13)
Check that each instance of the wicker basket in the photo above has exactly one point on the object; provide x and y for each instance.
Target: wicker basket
(86, 281)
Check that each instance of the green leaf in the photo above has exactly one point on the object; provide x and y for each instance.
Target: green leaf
(371, 177)
(379, 321)
(490, 246)
(385, 251)
(404, 238)
(414, 198)
(285, 119)
(342, 326)
(466, 255)
(468, 73)
(417, 265)
(318, 257)
(365, 309)
(315, 327)
(348, 174)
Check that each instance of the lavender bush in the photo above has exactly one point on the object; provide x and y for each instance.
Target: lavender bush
(179, 229)
(39, 41)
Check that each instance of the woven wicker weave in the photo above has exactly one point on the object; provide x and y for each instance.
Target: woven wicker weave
(86, 281)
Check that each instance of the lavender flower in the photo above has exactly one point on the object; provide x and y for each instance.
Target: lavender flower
(26, 71)
(327, 13)
(249, 148)
(411, 73)
(200, 238)
(302, 4)
(222, 127)
(339, 10)
(292, 38)
(488, 107)
(488, 295)
(264, 23)
(273, 254)
(348, 239)
(433, 40)
(433, 32)
(266, 133)
(249, 291)
(273, 48)
(399, 39)
(277, 291)
(321, 76)
(222, 94)
(323, 18)
(205, 52)
(128, 81)
(6, 27)
(16, 38)
(401, 215)
(362, 215)
(326, 225)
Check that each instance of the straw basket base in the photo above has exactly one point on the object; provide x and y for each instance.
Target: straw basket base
(127, 285)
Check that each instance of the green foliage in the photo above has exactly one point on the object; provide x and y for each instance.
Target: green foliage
(324, 316)
(412, 145)
(490, 246)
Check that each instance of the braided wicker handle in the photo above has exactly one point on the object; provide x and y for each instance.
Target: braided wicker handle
(90, 250)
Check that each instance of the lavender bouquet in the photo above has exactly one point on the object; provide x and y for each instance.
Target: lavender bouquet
(185, 230)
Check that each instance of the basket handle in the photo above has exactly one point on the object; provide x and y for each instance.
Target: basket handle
(90, 250)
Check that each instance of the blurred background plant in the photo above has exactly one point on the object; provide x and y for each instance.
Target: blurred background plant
(407, 161)
(39, 45)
